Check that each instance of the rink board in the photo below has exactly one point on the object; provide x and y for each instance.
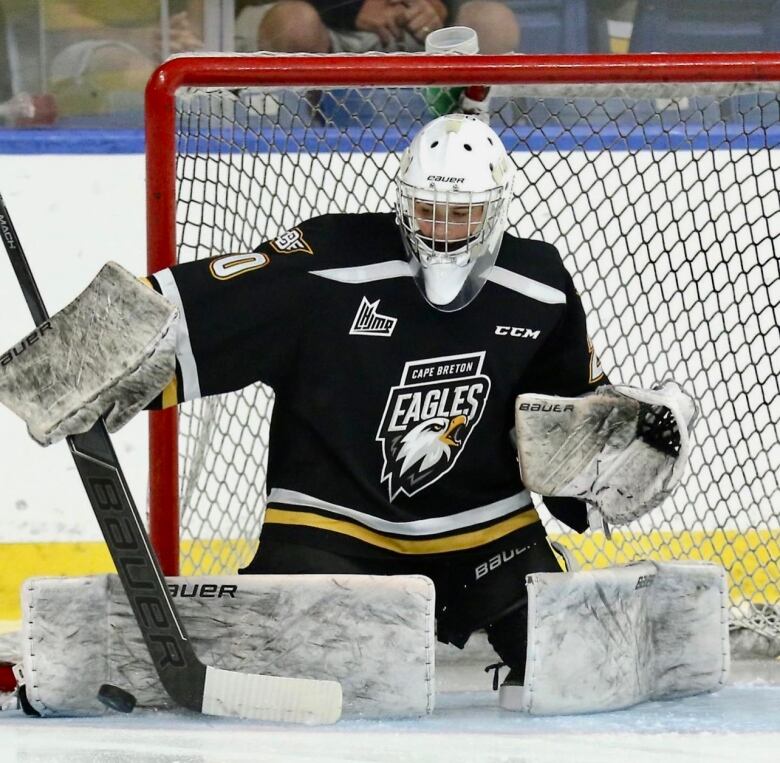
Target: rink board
(751, 558)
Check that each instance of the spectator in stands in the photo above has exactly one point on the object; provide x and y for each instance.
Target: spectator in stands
(6, 88)
(359, 26)
(107, 51)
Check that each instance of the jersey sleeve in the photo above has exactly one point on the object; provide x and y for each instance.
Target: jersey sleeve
(567, 365)
(237, 324)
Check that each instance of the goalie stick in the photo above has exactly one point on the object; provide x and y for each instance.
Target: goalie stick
(188, 681)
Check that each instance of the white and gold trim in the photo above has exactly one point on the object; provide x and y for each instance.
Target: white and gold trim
(456, 542)
(184, 354)
(455, 532)
(537, 290)
(451, 522)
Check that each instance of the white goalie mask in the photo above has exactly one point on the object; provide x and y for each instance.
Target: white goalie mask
(453, 191)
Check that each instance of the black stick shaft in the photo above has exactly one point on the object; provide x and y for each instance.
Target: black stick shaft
(21, 267)
(180, 671)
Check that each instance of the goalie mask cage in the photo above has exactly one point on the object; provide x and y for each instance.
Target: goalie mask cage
(656, 177)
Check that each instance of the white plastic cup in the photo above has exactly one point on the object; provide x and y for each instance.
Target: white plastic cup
(619, 33)
(452, 39)
(460, 40)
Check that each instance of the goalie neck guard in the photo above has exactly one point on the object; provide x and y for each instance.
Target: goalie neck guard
(453, 191)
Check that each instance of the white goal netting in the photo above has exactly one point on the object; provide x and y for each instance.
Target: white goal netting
(663, 201)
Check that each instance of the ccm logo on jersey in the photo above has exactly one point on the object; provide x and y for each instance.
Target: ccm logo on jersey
(517, 331)
(18, 349)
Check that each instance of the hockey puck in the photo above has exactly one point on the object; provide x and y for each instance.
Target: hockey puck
(115, 698)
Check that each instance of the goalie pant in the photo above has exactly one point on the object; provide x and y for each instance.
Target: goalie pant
(479, 588)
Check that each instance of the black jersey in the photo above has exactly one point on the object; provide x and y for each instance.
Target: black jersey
(391, 425)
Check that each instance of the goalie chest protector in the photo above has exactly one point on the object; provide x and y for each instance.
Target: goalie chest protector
(391, 421)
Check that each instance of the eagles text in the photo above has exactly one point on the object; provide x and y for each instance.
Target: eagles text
(410, 407)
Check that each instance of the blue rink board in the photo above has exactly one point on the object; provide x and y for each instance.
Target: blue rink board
(521, 137)
(71, 141)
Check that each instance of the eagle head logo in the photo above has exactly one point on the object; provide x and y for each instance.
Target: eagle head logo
(425, 449)
(427, 443)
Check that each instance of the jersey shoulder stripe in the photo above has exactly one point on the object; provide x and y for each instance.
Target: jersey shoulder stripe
(378, 271)
(527, 286)
(532, 268)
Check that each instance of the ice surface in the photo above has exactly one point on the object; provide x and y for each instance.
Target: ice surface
(741, 722)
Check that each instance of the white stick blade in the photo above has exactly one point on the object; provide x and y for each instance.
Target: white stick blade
(271, 698)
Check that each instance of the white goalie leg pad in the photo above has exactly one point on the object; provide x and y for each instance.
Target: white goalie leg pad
(621, 449)
(372, 634)
(611, 638)
(109, 352)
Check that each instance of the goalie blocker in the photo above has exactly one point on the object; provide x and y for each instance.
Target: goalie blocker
(621, 449)
(109, 352)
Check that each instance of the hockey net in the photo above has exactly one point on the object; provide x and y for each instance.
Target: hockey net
(657, 180)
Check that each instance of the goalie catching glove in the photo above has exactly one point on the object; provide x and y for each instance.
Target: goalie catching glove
(622, 449)
(108, 353)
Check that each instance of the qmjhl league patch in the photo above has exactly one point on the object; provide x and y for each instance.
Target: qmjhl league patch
(428, 418)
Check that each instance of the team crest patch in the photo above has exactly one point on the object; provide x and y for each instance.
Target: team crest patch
(428, 419)
(291, 242)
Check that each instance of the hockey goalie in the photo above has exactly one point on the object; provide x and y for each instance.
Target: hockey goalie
(417, 358)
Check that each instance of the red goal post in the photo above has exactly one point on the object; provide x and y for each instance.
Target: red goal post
(675, 281)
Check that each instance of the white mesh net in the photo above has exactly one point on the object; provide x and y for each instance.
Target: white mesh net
(664, 205)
